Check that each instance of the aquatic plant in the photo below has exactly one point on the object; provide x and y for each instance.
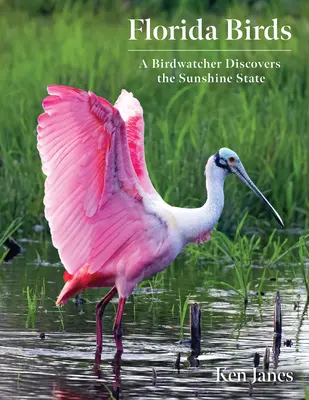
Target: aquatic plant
(240, 251)
(61, 319)
(35, 302)
(243, 251)
(182, 308)
(298, 252)
(32, 308)
(304, 260)
(275, 250)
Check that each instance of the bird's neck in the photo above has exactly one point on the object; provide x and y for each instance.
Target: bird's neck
(196, 224)
(213, 207)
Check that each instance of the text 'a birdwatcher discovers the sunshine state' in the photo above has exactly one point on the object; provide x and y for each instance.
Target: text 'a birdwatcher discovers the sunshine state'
(230, 70)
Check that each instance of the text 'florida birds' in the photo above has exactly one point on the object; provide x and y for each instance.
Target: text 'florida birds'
(235, 29)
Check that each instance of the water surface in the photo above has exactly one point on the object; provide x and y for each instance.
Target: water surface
(61, 365)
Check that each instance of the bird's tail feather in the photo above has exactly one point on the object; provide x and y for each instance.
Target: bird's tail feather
(79, 281)
(73, 285)
(70, 289)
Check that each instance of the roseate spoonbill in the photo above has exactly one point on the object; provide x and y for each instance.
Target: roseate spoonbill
(107, 221)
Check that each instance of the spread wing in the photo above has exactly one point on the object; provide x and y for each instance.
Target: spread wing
(93, 200)
(132, 114)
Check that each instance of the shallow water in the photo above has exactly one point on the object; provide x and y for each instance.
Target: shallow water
(61, 365)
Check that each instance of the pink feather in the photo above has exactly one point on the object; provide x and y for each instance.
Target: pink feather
(94, 191)
(132, 114)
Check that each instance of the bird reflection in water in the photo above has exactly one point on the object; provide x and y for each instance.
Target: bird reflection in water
(100, 390)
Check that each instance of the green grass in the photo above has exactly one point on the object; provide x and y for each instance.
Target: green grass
(35, 305)
(242, 252)
(32, 308)
(267, 125)
(303, 254)
(182, 309)
(61, 319)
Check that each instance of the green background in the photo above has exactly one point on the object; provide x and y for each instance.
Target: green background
(84, 44)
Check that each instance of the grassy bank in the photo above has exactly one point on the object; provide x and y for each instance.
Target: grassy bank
(185, 123)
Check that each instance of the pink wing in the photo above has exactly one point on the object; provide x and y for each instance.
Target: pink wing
(93, 199)
(132, 114)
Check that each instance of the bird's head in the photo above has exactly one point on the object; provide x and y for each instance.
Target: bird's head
(230, 162)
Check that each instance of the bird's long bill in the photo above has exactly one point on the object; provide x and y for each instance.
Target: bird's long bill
(242, 174)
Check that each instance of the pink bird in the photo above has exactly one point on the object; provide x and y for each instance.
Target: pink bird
(107, 221)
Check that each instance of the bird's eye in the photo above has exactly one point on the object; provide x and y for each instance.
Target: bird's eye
(231, 159)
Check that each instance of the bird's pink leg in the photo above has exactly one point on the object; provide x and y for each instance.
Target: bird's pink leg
(117, 324)
(99, 315)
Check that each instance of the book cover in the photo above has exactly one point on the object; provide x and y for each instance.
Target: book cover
(154, 199)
